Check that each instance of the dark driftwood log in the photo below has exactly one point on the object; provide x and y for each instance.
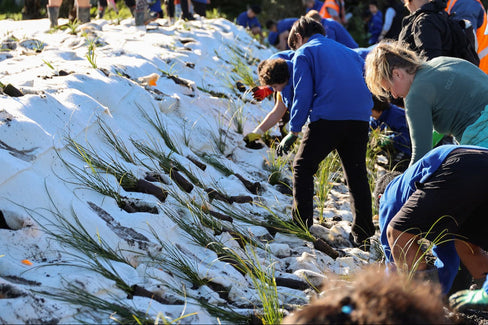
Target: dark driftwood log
(180, 181)
(240, 199)
(142, 292)
(216, 195)
(254, 188)
(199, 164)
(322, 246)
(124, 205)
(156, 177)
(144, 186)
(12, 91)
(220, 216)
(292, 283)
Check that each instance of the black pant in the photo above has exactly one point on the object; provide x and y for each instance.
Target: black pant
(170, 8)
(350, 139)
(200, 8)
(453, 200)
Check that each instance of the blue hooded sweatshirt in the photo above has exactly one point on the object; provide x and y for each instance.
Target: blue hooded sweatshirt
(328, 84)
(338, 33)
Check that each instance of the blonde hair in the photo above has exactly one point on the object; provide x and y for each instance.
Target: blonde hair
(385, 57)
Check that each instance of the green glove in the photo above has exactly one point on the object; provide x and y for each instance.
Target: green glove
(469, 299)
(251, 137)
(285, 144)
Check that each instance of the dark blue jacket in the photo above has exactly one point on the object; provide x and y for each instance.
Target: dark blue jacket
(338, 33)
(397, 194)
(247, 22)
(394, 118)
(328, 84)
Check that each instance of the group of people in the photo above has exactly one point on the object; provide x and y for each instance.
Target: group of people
(441, 196)
(143, 11)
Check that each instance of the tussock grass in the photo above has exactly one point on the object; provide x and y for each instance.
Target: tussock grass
(115, 310)
(156, 122)
(175, 261)
(329, 171)
(111, 138)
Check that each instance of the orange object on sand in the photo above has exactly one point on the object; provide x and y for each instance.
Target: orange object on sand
(26, 262)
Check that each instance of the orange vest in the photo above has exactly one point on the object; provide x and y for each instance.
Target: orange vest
(481, 38)
(333, 4)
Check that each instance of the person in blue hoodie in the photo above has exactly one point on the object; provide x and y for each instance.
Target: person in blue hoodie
(442, 197)
(334, 30)
(375, 23)
(280, 113)
(330, 91)
(397, 145)
(279, 31)
(248, 19)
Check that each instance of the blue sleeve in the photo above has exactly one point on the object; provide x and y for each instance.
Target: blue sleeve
(254, 23)
(303, 86)
(242, 19)
(375, 28)
(447, 264)
(343, 37)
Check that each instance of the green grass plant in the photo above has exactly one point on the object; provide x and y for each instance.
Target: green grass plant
(277, 165)
(91, 55)
(114, 309)
(216, 162)
(156, 122)
(176, 262)
(328, 172)
(111, 138)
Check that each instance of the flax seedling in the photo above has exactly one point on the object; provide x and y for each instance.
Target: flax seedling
(90, 55)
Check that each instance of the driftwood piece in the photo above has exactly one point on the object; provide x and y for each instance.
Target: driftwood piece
(180, 181)
(322, 246)
(220, 216)
(143, 186)
(12, 91)
(198, 163)
(254, 188)
(216, 195)
(139, 291)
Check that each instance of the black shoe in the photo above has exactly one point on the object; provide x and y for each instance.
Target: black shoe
(363, 244)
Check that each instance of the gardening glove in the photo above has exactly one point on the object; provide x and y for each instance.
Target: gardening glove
(240, 86)
(253, 136)
(469, 299)
(261, 92)
(285, 144)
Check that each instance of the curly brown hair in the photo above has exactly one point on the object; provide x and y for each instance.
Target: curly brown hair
(274, 71)
(374, 297)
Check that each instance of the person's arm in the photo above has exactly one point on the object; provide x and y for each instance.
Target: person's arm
(274, 116)
(303, 92)
(389, 15)
(419, 119)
